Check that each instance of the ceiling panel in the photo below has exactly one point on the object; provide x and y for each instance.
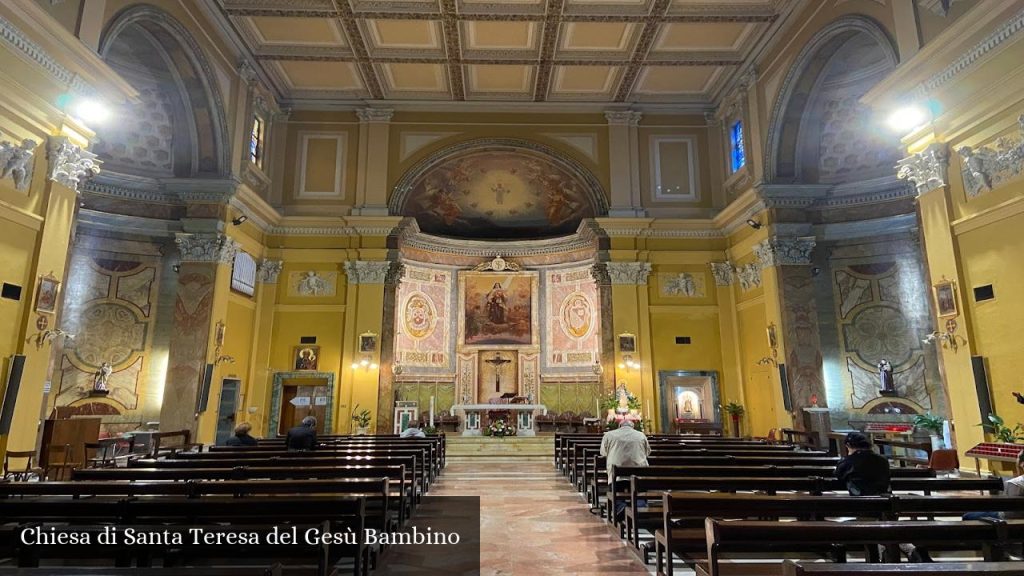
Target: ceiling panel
(277, 30)
(404, 34)
(321, 75)
(416, 77)
(702, 36)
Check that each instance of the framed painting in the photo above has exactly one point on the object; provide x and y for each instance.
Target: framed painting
(368, 342)
(627, 342)
(945, 298)
(46, 295)
(498, 309)
(307, 357)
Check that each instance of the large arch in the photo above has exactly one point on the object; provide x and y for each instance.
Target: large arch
(846, 57)
(498, 188)
(181, 131)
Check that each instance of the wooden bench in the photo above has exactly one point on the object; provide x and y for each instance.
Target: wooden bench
(274, 570)
(791, 568)
(432, 450)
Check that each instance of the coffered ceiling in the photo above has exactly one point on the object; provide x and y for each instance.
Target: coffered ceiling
(585, 51)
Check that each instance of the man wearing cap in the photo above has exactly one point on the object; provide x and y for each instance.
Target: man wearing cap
(864, 472)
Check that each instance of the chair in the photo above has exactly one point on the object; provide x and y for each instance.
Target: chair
(100, 454)
(944, 460)
(771, 438)
(20, 473)
(59, 463)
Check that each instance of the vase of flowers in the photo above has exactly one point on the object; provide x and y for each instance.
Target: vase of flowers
(499, 429)
(360, 421)
(735, 410)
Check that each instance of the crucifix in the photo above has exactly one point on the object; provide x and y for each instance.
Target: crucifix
(498, 361)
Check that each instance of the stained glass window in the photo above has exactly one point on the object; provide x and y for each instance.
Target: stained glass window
(737, 155)
(256, 142)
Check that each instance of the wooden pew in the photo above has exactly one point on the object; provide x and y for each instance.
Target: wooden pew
(433, 452)
(724, 538)
(791, 568)
(274, 570)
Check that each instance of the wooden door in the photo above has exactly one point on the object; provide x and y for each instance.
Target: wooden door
(299, 401)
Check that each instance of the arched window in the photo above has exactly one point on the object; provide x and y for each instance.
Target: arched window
(737, 153)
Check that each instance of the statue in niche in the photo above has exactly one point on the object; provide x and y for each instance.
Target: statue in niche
(101, 379)
(885, 377)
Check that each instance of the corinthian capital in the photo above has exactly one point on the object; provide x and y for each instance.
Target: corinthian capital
(213, 248)
(268, 271)
(367, 272)
(375, 114)
(635, 273)
(723, 273)
(623, 117)
(926, 169)
(70, 165)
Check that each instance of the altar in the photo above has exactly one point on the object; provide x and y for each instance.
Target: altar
(471, 419)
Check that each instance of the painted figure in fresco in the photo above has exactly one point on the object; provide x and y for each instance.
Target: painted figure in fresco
(102, 378)
(497, 304)
(885, 377)
(445, 207)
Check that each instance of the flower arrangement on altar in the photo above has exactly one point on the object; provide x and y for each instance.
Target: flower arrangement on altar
(621, 405)
(500, 429)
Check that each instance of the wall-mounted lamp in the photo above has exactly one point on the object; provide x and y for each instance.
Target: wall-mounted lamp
(240, 220)
(950, 339)
(754, 224)
(366, 364)
(766, 361)
(48, 336)
(628, 364)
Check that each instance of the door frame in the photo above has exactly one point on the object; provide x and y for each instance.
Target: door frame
(277, 390)
(220, 404)
(663, 384)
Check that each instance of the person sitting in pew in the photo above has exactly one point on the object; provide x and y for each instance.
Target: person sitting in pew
(303, 436)
(1011, 487)
(864, 472)
(624, 446)
(241, 437)
(412, 432)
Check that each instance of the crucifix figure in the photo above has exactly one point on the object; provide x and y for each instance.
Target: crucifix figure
(499, 193)
(498, 361)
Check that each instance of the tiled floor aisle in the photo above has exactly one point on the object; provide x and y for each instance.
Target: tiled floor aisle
(532, 523)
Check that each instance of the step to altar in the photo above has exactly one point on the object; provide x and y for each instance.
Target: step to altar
(534, 448)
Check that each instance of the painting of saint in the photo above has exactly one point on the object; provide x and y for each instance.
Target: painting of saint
(307, 357)
(498, 309)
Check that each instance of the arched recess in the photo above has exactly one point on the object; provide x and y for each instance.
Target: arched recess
(180, 130)
(819, 132)
(498, 188)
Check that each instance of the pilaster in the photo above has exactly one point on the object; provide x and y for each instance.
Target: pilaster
(624, 155)
(372, 181)
(728, 326)
(365, 315)
(257, 387)
(631, 315)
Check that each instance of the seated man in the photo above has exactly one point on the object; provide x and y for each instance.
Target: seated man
(241, 437)
(624, 446)
(303, 436)
(412, 431)
(864, 472)
(1011, 487)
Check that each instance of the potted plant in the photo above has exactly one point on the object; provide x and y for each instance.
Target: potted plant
(1001, 431)
(735, 410)
(499, 429)
(360, 421)
(933, 425)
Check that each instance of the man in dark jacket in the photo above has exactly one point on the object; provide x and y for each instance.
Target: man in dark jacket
(241, 437)
(302, 437)
(864, 472)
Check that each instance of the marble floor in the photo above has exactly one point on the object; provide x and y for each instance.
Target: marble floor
(533, 523)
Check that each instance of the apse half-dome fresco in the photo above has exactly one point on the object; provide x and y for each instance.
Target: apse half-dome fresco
(497, 193)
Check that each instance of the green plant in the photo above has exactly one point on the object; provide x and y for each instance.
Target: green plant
(1001, 431)
(929, 422)
(361, 418)
(430, 430)
(734, 409)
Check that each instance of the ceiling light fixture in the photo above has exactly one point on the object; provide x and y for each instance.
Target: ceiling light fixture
(753, 224)
(90, 111)
(907, 118)
(240, 220)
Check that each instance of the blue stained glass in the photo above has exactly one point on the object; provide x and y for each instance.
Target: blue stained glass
(737, 155)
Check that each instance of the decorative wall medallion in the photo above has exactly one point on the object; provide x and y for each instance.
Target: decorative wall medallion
(683, 284)
(16, 161)
(419, 316)
(988, 167)
(498, 264)
(576, 315)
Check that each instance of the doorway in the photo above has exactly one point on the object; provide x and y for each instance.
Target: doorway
(226, 409)
(298, 394)
(688, 395)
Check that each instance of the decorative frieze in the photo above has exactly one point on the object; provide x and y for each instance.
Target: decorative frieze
(211, 248)
(778, 251)
(926, 169)
(635, 273)
(683, 284)
(749, 276)
(375, 114)
(367, 272)
(623, 117)
(16, 161)
(723, 273)
(268, 271)
(986, 167)
(70, 165)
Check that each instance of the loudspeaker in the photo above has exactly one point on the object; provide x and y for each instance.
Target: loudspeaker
(981, 386)
(203, 398)
(787, 397)
(14, 373)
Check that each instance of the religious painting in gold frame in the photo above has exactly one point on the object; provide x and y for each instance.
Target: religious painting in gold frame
(46, 295)
(498, 310)
(945, 298)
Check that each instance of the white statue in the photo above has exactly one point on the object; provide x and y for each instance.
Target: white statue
(102, 377)
(312, 284)
(14, 160)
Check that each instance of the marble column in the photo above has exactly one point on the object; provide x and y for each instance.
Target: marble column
(201, 256)
(372, 179)
(788, 259)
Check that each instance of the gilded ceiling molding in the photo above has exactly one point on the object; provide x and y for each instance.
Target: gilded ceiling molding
(206, 248)
(268, 271)
(987, 167)
(70, 165)
(633, 273)
(723, 273)
(926, 169)
(367, 271)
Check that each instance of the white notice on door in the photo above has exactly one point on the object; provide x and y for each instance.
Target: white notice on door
(300, 401)
(320, 401)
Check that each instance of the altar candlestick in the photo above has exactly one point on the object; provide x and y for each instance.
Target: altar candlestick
(649, 414)
(597, 408)
(431, 411)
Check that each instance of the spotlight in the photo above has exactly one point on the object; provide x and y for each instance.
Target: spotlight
(176, 268)
(241, 219)
(90, 111)
(753, 224)
(906, 119)
(815, 271)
